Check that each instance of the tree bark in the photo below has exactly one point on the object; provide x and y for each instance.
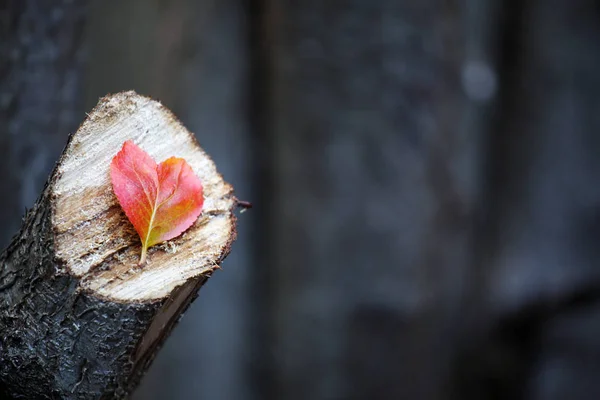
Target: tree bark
(78, 318)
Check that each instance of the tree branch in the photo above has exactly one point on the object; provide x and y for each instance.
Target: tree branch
(79, 319)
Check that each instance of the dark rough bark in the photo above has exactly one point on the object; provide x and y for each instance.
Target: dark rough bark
(41, 71)
(40, 306)
(57, 342)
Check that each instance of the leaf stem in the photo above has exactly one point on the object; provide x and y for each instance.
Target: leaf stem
(143, 257)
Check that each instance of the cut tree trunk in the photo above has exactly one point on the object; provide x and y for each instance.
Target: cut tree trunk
(79, 319)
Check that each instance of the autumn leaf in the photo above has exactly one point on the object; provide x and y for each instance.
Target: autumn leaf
(161, 201)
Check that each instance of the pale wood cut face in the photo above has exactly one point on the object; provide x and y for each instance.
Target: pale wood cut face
(93, 238)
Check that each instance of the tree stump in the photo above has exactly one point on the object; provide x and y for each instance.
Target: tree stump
(79, 319)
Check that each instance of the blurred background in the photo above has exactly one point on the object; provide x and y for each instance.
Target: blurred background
(425, 175)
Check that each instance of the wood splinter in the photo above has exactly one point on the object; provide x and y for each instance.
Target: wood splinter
(79, 319)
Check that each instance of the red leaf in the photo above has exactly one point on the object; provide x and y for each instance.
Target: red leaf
(161, 201)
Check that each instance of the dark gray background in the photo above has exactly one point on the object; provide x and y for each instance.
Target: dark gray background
(425, 174)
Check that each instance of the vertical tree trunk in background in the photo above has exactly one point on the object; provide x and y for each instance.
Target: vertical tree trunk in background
(41, 70)
(539, 292)
(371, 224)
(191, 55)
